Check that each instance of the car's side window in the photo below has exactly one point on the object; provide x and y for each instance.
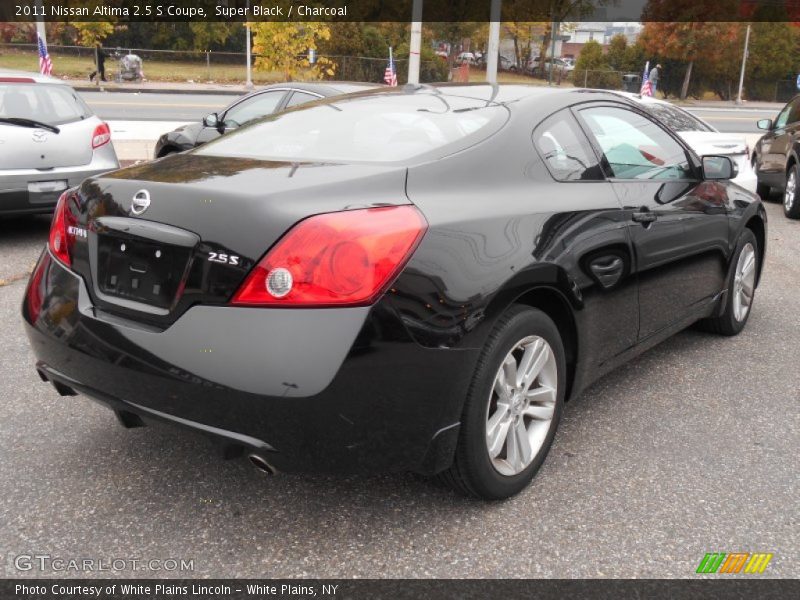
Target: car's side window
(255, 107)
(301, 98)
(794, 112)
(565, 149)
(783, 117)
(636, 147)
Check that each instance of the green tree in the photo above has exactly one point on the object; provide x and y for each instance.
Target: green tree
(617, 55)
(592, 68)
(773, 56)
(207, 34)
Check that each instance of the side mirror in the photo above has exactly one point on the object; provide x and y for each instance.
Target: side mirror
(764, 124)
(211, 120)
(718, 168)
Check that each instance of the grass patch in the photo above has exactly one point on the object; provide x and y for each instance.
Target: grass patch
(79, 67)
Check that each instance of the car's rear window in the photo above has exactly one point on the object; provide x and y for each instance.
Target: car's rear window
(380, 128)
(53, 104)
(675, 118)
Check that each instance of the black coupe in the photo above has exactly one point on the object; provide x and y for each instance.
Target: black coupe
(265, 101)
(402, 279)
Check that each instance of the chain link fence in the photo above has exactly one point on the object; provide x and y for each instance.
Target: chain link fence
(199, 66)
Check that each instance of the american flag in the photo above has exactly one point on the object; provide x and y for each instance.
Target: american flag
(390, 75)
(647, 89)
(45, 64)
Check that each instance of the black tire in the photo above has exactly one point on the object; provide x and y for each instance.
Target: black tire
(791, 202)
(727, 323)
(472, 472)
(762, 189)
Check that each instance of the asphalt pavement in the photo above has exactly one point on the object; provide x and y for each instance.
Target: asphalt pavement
(692, 448)
(154, 106)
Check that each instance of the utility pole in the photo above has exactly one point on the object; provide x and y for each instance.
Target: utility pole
(415, 43)
(249, 83)
(553, 29)
(494, 42)
(744, 63)
(40, 29)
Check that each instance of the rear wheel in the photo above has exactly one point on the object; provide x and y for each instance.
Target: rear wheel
(741, 289)
(512, 409)
(791, 203)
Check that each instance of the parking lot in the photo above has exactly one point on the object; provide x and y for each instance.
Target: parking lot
(691, 448)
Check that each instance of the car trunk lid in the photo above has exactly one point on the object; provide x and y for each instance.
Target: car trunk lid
(35, 148)
(187, 229)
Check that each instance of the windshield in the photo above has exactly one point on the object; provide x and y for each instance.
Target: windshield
(675, 118)
(52, 104)
(373, 128)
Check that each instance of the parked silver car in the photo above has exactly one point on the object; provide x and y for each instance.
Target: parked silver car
(49, 141)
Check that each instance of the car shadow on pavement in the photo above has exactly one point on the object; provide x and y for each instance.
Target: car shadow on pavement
(25, 228)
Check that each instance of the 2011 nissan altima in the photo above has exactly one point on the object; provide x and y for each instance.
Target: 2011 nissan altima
(400, 279)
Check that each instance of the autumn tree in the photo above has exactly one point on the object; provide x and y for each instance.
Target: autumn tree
(687, 31)
(91, 33)
(284, 46)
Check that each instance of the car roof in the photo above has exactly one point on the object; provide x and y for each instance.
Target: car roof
(11, 74)
(334, 88)
(507, 93)
(640, 99)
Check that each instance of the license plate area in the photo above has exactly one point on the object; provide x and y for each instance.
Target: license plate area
(47, 187)
(139, 270)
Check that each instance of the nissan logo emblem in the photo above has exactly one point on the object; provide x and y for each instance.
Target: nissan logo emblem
(141, 200)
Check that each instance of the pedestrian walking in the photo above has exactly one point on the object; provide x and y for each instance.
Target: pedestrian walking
(655, 72)
(101, 64)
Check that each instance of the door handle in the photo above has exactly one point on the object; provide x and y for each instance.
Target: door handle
(644, 215)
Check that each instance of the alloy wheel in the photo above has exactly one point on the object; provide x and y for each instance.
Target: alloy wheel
(791, 189)
(744, 282)
(522, 405)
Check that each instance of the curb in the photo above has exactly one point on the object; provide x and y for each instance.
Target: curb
(202, 91)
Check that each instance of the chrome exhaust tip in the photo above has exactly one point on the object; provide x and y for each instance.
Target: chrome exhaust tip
(261, 464)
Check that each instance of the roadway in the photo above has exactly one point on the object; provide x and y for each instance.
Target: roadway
(192, 107)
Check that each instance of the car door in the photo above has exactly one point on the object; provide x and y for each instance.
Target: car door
(248, 109)
(588, 238)
(678, 223)
(777, 142)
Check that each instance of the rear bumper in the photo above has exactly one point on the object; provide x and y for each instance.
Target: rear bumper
(332, 390)
(16, 199)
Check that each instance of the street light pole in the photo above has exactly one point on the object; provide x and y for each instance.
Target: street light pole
(744, 63)
(494, 42)
(249, 83)
(415, 45)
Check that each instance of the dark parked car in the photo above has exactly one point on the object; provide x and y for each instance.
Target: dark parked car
(265, 101)
(406, 279)
(776, 157)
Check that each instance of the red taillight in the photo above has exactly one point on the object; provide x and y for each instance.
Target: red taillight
(101, 135)
(64, 227)
(335, 259)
